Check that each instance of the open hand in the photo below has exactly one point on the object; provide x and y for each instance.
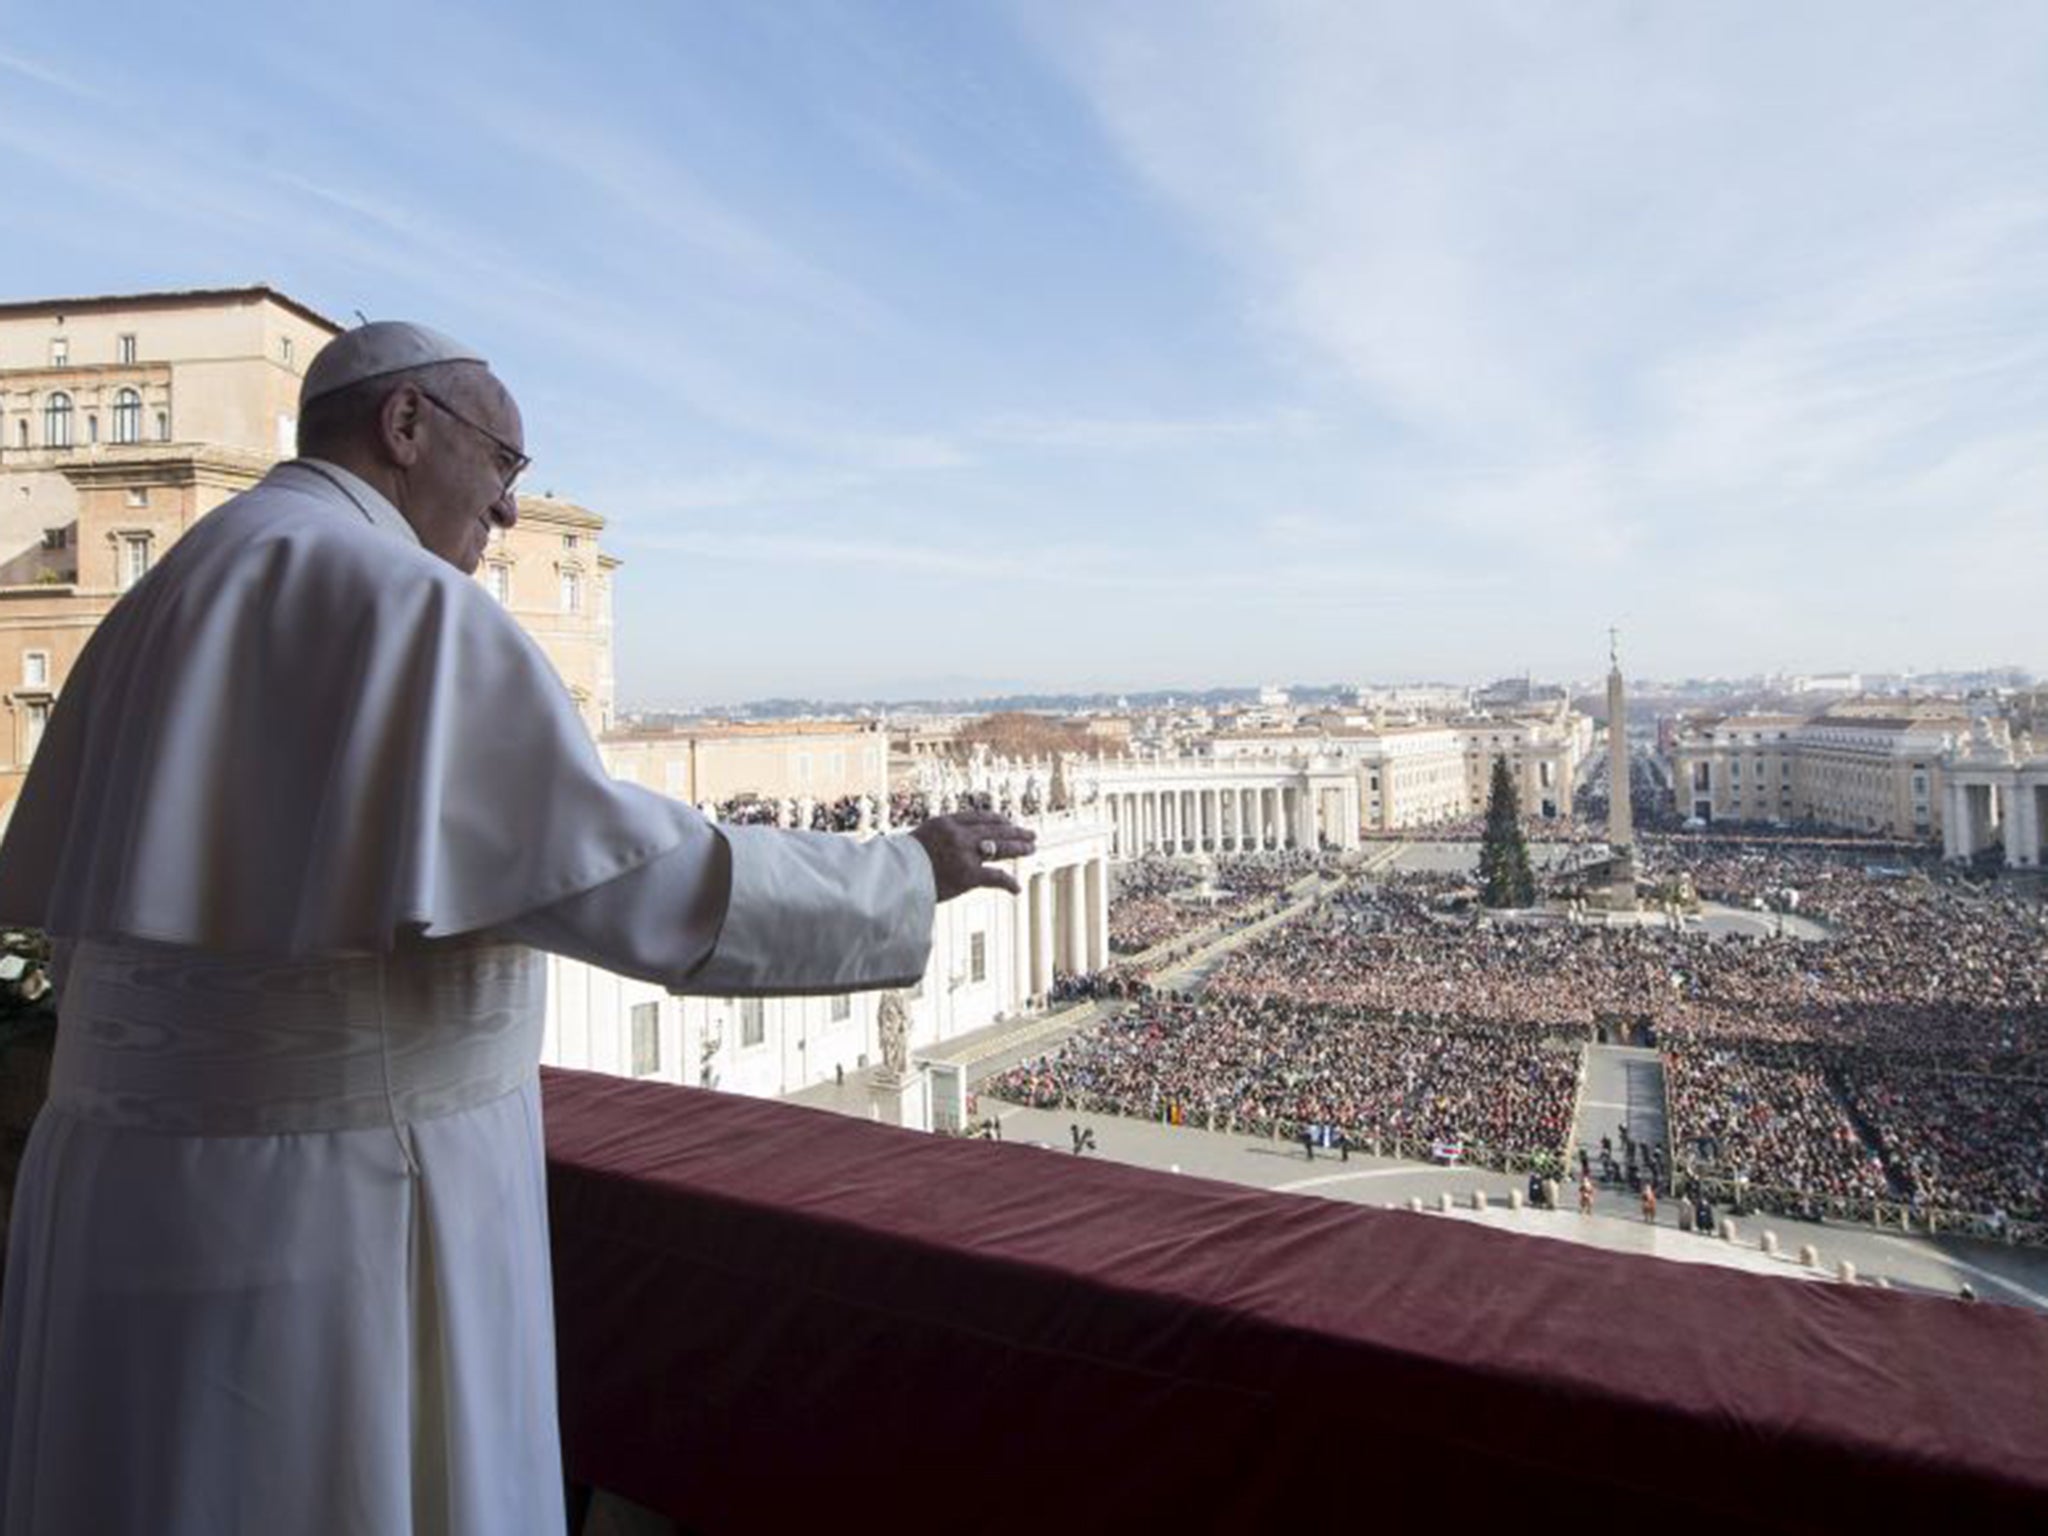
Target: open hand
(962, 846)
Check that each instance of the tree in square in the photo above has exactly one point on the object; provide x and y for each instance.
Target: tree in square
(1504, 874)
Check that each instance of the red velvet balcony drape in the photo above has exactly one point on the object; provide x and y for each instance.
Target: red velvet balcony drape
(771, 1318)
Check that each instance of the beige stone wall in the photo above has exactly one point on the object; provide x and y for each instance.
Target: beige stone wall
(823, 762)
(1897, 794)
(1543, 758)
(1858, 773)
(226, 367)
(219, 370)
(552, 576)
(1413, 778)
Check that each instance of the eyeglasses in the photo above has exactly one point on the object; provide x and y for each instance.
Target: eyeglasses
(511, 462)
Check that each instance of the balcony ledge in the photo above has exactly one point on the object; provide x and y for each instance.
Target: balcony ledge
(766, 1314)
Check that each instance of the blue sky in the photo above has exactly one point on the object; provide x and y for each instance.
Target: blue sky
(916, 348)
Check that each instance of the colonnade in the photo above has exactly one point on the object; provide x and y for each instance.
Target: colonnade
(1062, 922)
(1986, 807)
(1234, 817)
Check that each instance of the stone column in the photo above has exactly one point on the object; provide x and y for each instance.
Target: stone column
(1955, 811)
(2022, 831)
(1084, 924)
(1041, 933)
(1020, 936)
(1098, 914)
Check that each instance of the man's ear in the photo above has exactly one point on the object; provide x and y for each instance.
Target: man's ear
(400, 426)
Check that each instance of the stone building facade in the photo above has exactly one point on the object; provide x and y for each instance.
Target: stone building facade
(1995, 795)
(1861, 767)
(994, 957)
(820, 761)
(124, 419)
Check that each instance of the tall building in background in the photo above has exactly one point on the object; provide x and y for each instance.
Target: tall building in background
(125, 418)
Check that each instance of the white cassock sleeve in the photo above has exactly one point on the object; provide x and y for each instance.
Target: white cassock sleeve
(762, 911)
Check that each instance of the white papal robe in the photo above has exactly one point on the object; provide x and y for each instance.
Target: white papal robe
(278, 1257)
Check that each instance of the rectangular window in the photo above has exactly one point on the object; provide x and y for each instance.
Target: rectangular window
(753, 1022)
(124, 349)
(842, 1008)
(499, 577)
(56, 538)
(35, 716)
(134, 559)
(977, 957)
(572, 592)
(60, 351)
(35, 669)
(138, 496)
(646, 1039)
(569, 542)
(284, 350)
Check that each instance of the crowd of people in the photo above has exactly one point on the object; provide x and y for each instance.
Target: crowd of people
(1269, 1066)
(1466, 829)
(1156, 900)
(1901, 1057)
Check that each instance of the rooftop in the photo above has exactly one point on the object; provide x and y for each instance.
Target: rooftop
(170, 298)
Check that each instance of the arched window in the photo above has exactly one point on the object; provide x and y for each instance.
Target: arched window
(127, 416)
(57, 421)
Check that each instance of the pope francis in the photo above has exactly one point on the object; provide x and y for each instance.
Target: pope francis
(308, 806)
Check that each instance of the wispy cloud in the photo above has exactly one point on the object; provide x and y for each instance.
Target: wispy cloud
(1703, 292)
(1140, 433)
(47, 74)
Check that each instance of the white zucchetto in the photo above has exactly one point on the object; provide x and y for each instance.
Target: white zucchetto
(378, 348)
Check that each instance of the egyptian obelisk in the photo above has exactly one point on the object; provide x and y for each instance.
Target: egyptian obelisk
(1621, 828)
